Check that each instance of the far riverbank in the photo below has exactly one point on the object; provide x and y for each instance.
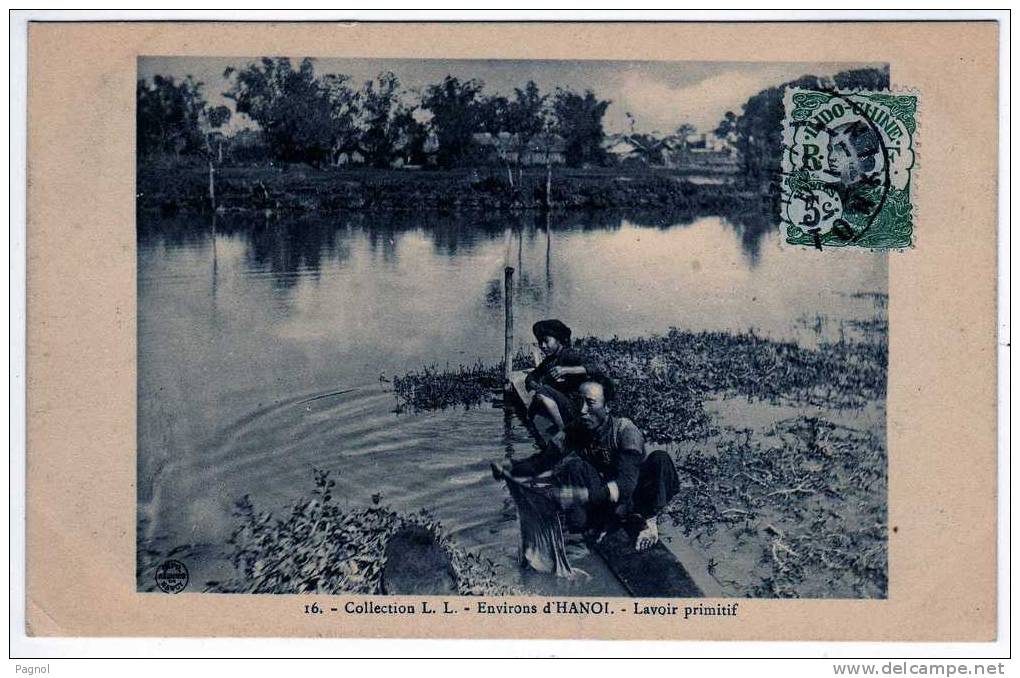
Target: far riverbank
(300, 188)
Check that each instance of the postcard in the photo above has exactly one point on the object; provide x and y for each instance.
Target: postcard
(511, 330)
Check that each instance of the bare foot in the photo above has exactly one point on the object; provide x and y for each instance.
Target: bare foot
(648, 537)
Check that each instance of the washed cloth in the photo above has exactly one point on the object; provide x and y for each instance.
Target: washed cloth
(542, 545)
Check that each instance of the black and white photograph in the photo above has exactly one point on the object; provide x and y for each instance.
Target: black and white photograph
(498, 328)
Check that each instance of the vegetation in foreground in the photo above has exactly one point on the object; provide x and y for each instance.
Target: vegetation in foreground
(431, 388)
(320, 547)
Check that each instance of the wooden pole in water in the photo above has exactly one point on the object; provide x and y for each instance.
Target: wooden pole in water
(508, 336)
(212, 185)
(548, 185)
(548, 254)
(509, 238)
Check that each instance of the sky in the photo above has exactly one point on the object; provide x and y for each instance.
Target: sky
(660, 95)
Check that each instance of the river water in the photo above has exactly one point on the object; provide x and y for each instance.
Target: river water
(264, 349)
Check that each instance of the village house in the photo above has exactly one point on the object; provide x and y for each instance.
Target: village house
(506, 148)
(348, 157)
(704, 152)
(693, 151)
(546, 148)
(621, 149)
(245, 145)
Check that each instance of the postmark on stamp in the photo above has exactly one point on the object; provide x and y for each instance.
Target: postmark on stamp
(847, 164)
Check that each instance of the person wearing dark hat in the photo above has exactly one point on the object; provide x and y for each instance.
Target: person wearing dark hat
(554, 382)
(602, 475)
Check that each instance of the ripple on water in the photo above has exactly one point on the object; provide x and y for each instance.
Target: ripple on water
(438, 461)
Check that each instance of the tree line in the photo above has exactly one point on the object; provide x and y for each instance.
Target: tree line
(757, 130)
(304, 117)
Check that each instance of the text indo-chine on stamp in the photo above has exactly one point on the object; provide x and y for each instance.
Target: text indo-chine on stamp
(847, 164)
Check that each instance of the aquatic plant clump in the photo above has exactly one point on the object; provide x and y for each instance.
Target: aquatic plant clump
(319, 547)
(434, 389)
(802, 507)
(663, 381)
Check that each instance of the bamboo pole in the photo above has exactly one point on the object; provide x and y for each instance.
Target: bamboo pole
(508, 237)
(520, 254)
(548, 185)
(212, 185)
(548, 254)
(508, 335)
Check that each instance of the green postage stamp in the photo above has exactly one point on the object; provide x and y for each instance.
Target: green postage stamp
(847, 164)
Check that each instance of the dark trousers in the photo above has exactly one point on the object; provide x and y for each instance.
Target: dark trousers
(657, 484)
(565, 404)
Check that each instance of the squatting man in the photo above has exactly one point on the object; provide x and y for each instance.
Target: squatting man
(601, 476)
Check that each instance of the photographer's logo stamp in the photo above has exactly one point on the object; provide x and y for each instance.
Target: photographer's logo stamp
(172, 576)
(847, 163)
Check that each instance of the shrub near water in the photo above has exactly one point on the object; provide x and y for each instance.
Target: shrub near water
(321, 548)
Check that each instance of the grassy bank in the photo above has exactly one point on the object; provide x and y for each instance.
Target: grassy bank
(298, 188)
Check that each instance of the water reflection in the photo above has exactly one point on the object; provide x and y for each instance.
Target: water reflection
(290, 245)
(751, 226)
(617, 271)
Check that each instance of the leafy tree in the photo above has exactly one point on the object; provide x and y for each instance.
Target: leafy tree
(216, 117)
(648, 147)
(343, 112)
(727, 126)
(526, 114)
(455, 108)
(170, 115)
(685, 130)
(411, 136)
(387, 124)
(863, 78)
(759, 131)
(493, 115)
(578, 119)
(291, 107)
